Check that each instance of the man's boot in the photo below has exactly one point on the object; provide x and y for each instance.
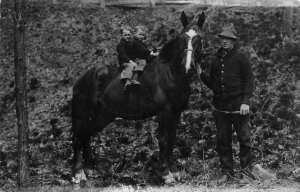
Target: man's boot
(134, 78)
(247, 176)
(128, 82)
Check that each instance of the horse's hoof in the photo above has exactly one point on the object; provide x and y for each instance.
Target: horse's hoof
(78, 177)
(169, 179)
(89, 172)
(82, 184)
(176, 176)
(76, 187)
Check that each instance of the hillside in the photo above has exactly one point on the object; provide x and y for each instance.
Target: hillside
(65, 40)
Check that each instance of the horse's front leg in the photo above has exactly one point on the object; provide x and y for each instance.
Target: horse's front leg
(167, 134)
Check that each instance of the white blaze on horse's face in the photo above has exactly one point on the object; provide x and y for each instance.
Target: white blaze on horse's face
(191, 33)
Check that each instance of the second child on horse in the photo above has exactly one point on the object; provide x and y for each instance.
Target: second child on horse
(133, 56)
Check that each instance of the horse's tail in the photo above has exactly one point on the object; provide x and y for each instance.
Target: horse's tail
(82, 99)
(85, 96)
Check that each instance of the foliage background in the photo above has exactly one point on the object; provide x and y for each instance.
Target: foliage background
(65, 40)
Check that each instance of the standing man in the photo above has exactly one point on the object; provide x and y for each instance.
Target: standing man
(232, 82)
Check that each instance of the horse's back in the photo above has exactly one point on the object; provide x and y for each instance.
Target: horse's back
(136, 102)
(89, 86)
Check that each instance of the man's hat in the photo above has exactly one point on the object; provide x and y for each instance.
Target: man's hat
(228, 31)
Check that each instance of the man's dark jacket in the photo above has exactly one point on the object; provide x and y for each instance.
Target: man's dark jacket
(131, 51)
(230, 78)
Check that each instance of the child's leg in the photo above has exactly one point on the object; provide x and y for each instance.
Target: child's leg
(127, 74)
(137, 70)
(127, 71)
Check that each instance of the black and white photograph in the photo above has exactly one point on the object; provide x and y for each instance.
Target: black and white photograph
(150, 95)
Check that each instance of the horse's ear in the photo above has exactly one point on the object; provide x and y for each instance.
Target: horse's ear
(201, 20)
(184, 19)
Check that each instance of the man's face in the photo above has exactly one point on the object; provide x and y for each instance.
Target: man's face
(227, 43)
(127, 35)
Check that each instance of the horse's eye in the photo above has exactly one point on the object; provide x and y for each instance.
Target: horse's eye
(197, 40)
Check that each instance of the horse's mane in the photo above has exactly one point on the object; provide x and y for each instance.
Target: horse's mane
(169, 57)
(172, 50)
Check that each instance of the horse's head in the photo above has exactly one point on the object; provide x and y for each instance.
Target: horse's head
(184, 48)
(191, 37)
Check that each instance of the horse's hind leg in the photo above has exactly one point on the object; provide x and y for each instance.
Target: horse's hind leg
(79, 125)
(98, 122)
(87, 153)
(82, 133)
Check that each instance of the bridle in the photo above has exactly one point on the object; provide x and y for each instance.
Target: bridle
(197, 55)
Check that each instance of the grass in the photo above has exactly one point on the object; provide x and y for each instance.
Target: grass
(177, 188)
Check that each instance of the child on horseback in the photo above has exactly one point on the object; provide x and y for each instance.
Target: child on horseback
(133, 56)
(140, 36)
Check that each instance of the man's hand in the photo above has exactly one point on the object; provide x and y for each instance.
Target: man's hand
(245, 109)
(154, 53)
(199, 70)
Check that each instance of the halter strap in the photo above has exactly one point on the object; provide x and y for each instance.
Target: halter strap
(186, 50)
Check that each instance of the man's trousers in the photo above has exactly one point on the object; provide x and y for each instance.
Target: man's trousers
(226, 124)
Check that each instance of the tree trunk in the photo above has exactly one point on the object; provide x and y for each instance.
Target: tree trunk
(287, 18)
(21, 95)
(0, 8)
(1, 24)
(102, 3)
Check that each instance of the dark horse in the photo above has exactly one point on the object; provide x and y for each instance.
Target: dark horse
(98, 98)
